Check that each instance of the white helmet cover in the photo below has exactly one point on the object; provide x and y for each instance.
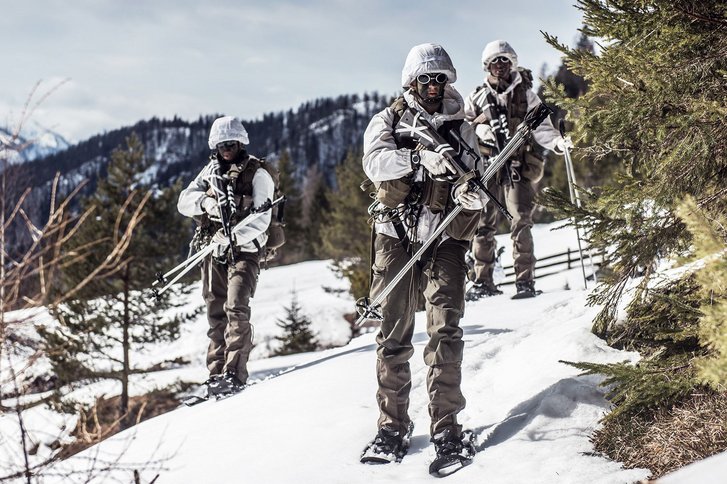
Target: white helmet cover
(425, 59)
(498, 48)
(227, 128)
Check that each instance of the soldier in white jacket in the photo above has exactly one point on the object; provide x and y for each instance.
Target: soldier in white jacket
(229, 274)
(398, 164)
(495, 109)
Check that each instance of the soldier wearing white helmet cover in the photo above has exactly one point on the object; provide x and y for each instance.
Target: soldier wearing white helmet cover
(400, 166)
(229, 275)
(495, 109)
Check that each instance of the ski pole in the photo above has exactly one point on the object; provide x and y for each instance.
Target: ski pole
(196, 259)
(162, 278)
(576, 200)
(191, 262)
(368, 309)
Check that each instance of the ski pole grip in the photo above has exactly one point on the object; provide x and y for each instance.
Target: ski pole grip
(561, 127)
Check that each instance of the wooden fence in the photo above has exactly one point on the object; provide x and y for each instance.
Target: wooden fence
(569, 259)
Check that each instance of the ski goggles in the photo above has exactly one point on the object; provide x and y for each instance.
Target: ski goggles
(500, 60)
(227, 145)
(425, 79)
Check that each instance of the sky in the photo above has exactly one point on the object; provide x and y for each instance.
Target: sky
(105, 64)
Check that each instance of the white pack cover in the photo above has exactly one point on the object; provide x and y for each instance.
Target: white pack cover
(227, 128)
(425, 59)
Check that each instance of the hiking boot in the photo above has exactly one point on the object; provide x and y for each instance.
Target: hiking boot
(453, 452)
(389, 445)
(480, 290)
(525, 289)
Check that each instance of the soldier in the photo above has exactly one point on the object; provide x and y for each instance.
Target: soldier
(229, 274)
(404, 170)
(495, 109)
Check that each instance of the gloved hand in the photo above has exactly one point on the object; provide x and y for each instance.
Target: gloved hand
(485, 133)
(435, 163)
(220, 238)
(470, 200)
(561, 144)
(209, 205)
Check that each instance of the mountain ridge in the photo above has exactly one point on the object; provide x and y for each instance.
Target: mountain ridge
(317, 136)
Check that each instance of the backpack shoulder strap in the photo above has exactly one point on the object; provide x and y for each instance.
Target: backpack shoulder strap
(245, 175)
(398, 107)
(527, 77)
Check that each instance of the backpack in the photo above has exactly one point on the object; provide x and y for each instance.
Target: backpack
(276, 229)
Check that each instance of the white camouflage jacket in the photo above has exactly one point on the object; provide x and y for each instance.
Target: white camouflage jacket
(545, 135)
(263, 188)
(382, 160)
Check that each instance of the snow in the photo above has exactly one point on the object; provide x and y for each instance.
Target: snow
(307, 417)
(711, 470)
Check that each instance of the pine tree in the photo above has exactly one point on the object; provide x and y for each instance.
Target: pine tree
(294, 248)
(114, 313)
(297, 336)
(316, 208)
(587, 173)
(346, 235)
(656, 102)
(712, 278)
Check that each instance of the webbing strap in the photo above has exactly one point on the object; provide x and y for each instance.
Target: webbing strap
(401, 232)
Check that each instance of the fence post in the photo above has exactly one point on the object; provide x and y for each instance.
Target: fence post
(568, 252)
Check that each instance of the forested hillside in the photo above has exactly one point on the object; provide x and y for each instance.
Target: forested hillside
(317, 135)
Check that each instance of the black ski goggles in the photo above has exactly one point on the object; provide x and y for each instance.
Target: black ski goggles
(425, 79)
(500, 60)
(227, 145)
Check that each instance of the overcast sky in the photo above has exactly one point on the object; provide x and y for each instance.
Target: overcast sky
(131, 60)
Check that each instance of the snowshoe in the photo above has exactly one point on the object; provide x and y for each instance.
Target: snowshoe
(480, 290)
(453, 452)
(388, 446)
(202, 394)
(525, 290)
(193, 400)
(225, 385)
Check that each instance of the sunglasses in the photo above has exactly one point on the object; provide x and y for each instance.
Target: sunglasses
(427, 78)
(500, 60)
(227, 145)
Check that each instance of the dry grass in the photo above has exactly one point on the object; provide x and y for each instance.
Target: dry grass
(102, 420)
(670, 438)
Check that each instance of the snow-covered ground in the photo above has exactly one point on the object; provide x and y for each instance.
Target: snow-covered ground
(308, 416)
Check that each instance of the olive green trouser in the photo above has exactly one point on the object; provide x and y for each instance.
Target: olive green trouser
(520, 202)
(440, 277)
(227, 289)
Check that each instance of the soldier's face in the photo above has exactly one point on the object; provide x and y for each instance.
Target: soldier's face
(431, 86)
(500, 67)
(228, 150)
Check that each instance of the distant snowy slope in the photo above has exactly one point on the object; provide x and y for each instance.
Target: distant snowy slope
(309, 424)
(34, 142)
